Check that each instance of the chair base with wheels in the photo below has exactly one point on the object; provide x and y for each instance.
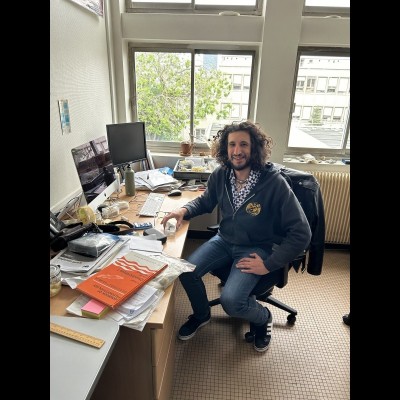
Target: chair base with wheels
(346, 319)
(262, 292)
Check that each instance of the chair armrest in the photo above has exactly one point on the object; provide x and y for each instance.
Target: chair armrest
(213, 228)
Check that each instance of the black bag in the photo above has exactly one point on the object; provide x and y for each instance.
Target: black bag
(61, 234)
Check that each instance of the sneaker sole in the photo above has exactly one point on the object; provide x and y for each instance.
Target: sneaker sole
(269, 330)
(262, 349)
(191, 335)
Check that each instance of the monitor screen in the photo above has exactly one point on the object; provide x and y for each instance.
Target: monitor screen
(95, 170)
(127, 143)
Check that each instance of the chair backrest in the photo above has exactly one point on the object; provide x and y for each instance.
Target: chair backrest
(307, 190)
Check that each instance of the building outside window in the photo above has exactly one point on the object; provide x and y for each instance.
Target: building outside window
(321, 113)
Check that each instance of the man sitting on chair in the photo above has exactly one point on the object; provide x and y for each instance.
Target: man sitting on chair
(258, 209)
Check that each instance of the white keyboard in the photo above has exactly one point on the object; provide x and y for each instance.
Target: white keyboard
(152, 205)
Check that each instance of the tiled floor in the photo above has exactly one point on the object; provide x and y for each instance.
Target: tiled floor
(309, 360)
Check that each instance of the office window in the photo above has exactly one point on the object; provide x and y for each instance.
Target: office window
(321, 85)
(324, 120)
(235, 111)
(300, 83)
(343, 85)
(245, 111)
(200, 134)
(306, 113)
(237, 82)
(296, 112)
(327, 115)
(200, 2)
(338, 113)
(246, 82)
(183, 94)
(332, 84)
(327, 7)
(310, 86)
(245, 7)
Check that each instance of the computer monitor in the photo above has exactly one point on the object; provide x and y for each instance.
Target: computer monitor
(95, 170)
(127, 143)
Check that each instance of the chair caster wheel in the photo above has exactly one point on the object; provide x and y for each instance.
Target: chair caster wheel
(346, 319)
(291, 319)
(249, 337)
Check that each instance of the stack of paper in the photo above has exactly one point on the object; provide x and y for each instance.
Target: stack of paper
(79, 264)
(142, 244)
(143, 301)
(154, 179)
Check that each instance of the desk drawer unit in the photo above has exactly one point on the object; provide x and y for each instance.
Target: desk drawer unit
(163, 347)
(141, 366)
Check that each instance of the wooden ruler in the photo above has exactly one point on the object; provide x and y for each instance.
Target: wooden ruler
(75, 335)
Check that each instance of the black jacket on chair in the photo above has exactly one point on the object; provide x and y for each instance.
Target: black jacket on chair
(307, 190)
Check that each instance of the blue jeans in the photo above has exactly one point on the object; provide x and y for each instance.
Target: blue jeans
(235, 297)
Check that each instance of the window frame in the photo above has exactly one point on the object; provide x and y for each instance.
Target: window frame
(297, 151)
(174, 147)
(191, 8)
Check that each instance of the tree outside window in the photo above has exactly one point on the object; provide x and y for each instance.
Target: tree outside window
(173, 108)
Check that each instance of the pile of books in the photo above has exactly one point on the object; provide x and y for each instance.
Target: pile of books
(120, 291)
(116, 282)
(156, 179)
(74, 263)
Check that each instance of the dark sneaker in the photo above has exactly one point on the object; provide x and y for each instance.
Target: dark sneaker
(263, 335)
(189, 328)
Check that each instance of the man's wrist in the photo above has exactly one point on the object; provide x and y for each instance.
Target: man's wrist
(185, 210)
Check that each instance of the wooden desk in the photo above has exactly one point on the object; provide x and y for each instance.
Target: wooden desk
(141, 365)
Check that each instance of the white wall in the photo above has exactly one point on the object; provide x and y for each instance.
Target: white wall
(79, 73)
(79, 66)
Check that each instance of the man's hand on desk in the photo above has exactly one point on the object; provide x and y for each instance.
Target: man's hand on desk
(178, 214)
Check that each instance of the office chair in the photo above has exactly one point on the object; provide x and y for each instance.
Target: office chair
(261, 291)
(307, 190)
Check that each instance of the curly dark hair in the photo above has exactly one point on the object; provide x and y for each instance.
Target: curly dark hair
(261, 144)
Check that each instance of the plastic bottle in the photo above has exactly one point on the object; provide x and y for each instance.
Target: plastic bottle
(117, 178)
(129, 181)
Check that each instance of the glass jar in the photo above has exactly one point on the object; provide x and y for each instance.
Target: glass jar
(55, 279)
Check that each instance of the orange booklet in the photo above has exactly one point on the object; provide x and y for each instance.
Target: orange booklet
(122, 278)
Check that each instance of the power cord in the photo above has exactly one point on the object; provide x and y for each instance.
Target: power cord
(71, 204)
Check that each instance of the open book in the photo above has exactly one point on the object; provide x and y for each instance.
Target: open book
(122, 278)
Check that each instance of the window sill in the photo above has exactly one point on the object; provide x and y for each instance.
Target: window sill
(170, 159)
(317, 162)
(337, 166)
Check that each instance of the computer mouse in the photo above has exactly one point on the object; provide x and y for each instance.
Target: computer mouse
(175, 192)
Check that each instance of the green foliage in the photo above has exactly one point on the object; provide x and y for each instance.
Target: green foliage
(316, 116)
(163, 94)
